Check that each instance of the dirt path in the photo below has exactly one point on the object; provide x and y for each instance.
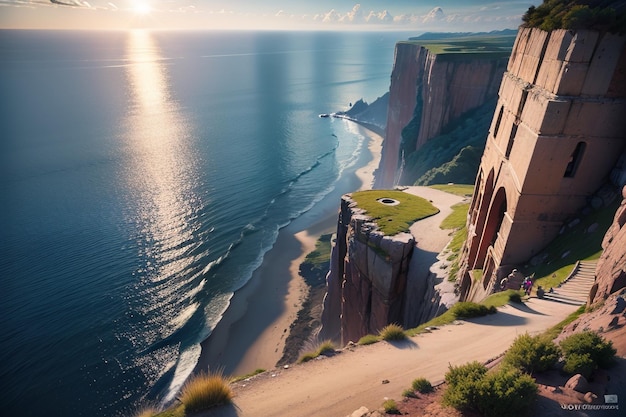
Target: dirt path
(339, 385)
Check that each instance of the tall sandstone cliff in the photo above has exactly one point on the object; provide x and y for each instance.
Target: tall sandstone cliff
(430, 92)
(367, 278)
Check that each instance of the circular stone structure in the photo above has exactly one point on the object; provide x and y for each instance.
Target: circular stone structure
(388, 201)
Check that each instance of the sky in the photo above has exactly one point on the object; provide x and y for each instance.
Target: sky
(426, 15)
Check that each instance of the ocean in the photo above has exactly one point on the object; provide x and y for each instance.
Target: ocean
(143, 176)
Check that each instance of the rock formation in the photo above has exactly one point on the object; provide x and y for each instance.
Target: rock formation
(611, 268)
(367, 278)
(428, 93)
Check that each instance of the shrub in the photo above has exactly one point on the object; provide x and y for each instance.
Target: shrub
(464, 385)
(368, 339)
(506, 392)
(532, 353)
(422, 385)
(392, 332)
(468, 309)
(577, 363)
(204, 391)
(601, 352)
(391, 407)
(515, 297)
(409, 393)
(307, 357)
(323, 348)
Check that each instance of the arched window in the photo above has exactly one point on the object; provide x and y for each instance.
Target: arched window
(574, 160)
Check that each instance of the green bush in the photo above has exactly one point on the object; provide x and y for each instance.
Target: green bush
(507, 391)
(204, 391)
(464, 383)
(468, 309)
(515, 297)
(577, 363)
(600, 351)
(532, 353)
(409, 393)
(422, 385)
(368, 339)
(392, 332)
(391, 407)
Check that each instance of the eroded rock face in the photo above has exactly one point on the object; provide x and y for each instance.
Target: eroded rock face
(431, 91)
(611, 269)
(367, 280)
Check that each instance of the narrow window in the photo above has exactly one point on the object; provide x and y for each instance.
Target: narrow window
(495, 129)
(509, 146)
(574, 160)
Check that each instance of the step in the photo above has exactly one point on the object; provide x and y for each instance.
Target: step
(564, 300)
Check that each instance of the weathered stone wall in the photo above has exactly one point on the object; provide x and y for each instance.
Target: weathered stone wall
(557, 132)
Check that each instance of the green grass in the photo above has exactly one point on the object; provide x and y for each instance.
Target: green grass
(392, 332)
(457, 218)
(205, 391)
(555, 330)
(391, 407)
(422, 385)
(323, 348)
(457, 311)
(500, 298)
(576, 244)
(394, 219)
(321, 254)
(500, 45)
(246, 376)
(464, 190)
(368, 339)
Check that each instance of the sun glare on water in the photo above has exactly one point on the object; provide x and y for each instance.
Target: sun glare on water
(142, 8)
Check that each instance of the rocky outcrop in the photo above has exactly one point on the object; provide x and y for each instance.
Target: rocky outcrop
(428, 93)
(611, 269)
(367, 278)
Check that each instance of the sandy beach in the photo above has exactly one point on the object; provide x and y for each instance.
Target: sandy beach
(252, 333)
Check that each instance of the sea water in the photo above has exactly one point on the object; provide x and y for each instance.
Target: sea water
(143, 177)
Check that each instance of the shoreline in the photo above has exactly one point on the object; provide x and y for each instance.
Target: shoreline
(253, 330)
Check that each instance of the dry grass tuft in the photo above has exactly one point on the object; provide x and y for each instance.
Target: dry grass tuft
(204, 391)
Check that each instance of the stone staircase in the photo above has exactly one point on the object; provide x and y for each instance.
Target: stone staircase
(575, 288)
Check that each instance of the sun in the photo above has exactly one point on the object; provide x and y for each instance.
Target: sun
(141, 7)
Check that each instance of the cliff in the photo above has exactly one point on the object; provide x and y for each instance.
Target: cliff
(611, 268)
(367, 278)
(431, 89)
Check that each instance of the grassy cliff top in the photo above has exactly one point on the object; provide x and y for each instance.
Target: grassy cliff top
(496, 45)
(393, 211)
(602, 15)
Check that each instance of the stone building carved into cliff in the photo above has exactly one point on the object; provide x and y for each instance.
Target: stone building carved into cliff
(557, 132)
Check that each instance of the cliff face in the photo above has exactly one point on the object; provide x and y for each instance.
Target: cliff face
(367, 279)
(611, 269)
(408, 68)
(428, 93)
